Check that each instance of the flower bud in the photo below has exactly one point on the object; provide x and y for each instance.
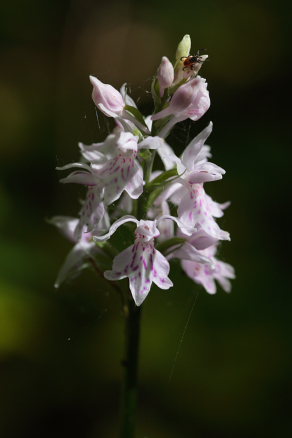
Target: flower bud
(201, 100)
(106, 98)
(184, 47)
(165, 74)
(181, 100)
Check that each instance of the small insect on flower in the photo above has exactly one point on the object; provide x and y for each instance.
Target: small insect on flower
(193, 62)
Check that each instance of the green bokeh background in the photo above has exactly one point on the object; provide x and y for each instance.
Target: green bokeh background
(224, 370)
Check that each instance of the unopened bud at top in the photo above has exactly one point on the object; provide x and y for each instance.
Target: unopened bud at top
(107, 98)
(165, 74)
(184, 47)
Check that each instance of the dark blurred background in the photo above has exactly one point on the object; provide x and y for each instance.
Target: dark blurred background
(222, 371)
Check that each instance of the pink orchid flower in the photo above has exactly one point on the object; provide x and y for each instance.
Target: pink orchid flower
(83, 249)
(190, 101)
(206, 274)
(113, 168)
(141, 262)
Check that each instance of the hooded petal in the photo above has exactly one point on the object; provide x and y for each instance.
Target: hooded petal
(106, 97)
(204, 172)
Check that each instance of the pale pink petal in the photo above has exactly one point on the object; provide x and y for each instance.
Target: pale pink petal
(215, 208)
(165, 74)
(201, 274)
(223, 272)
(194, 212)
(201, 240)
(116, 175)
(160, 271)
(204, 172)
(181, 100)
(91, 213)
(121, 264)
(134, 187)
(106, 97)
(188, 252)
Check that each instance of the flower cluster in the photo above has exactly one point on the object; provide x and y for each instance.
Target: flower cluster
(123, 188)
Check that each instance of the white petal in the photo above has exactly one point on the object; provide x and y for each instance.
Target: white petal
(66, 225)
(201, 240)
(115, 226)
(92, 153)
(127, 99)
(72, 165)
(192, 151)
(74, 262)
(121, 264)
(140, 278)
(134, 188)
(186, 229)
(151, 143)
(168, 157)
(161, 271)
(79, 177)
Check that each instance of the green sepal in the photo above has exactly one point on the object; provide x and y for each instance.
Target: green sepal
(162, 178)
(145, 154)
(136, 113)
(155, 91)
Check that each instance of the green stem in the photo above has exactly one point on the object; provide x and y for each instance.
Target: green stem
(149, 167)
(130, 363)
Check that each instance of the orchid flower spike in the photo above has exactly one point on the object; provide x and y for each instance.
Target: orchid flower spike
(168, 205)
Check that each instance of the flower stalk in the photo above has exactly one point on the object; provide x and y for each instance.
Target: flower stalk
(130, 368)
